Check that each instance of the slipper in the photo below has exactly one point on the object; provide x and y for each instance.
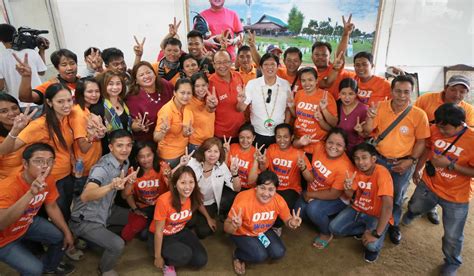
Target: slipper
(75, 254)
(320, 243)
(239, 266)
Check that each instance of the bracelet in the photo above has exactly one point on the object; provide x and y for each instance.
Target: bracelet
(12, 136)
(234, 176)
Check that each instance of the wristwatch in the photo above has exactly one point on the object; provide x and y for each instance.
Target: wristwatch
(413, 159)
(375, 234)
(451, 166)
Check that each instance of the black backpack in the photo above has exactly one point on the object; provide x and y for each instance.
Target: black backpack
(200, 25)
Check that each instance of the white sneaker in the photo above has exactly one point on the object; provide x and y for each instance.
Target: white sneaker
(169, 270)
(277, 230)
(110, 273)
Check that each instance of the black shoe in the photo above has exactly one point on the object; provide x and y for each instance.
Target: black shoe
(433, 217)
(370, 256)
(395, 234)
(358, 237)
(63, 269)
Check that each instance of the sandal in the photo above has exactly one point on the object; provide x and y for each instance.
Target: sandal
(320, 243)
(75, 254)
(239, 266)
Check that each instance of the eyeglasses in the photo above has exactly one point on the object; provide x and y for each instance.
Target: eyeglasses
(269, 96)
(42, 162)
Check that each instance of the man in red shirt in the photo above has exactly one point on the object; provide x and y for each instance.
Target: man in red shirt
(21, 197)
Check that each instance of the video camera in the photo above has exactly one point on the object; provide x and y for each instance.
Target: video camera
(28, 38)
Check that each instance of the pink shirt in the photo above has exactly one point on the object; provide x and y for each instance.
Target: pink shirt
(221, 20)
(348, 122)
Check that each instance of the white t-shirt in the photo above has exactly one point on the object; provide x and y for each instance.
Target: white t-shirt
(205, 185)
(266, 116)
(10, 75)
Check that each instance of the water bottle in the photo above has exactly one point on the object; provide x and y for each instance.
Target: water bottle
(79, 168)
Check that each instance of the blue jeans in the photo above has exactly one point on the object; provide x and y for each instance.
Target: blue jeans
(400, 185)
(319, 212)
(192, 147)
(65, 188)
(19, 258)
(454, 219)
(349, 222)
(251, 250)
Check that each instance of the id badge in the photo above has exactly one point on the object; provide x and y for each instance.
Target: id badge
(264, 240)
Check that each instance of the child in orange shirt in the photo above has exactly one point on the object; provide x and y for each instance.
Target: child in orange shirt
(449, 183)
(324, 196)
(315, 111)
(371, 210)
(141, 195)
(245, 154)
(288, 163)
(172, 244)
(253, 213)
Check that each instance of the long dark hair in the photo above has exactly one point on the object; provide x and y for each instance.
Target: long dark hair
(52, 122)
(81, 88)
(134, 87)
(139, 145)
(196, 196)
(4, 97)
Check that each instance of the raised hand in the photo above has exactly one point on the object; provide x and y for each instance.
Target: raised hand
(138, 48)
(236, 218)
(211, 99)
(300, 162)
(295, 219)
(39, 184)
(251, 38)
(359, 126)
(132, 175)
(142, 122)
(94, 60)
(43, 43)
(348, 25)
(318, 115)
(240, 94)
(173, 27)
(308, 139)
(372, 110)
(260, 156)
(323, 103)
(184, 160)
(188, 129)
(338, 62)
(226, 144)
(165, 125)
(23, 119)
(234, 165)
(349, 180)
(22, 67)
(118, 183)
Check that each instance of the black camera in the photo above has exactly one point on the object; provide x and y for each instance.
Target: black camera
(430, 169)
(28, 38)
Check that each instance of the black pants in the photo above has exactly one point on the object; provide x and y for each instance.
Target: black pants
(264, 140)
(290, 196)
(180, 249)
(199, 222)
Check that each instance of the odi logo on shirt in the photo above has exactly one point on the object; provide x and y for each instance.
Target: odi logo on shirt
(149, 183)
(282, 162)
(321, 168)
(263, 216)
(181, 215)
(38, 198)
(444, 145)
(365, 185)
(306, 106)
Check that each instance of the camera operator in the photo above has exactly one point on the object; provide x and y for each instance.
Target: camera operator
(9, 78)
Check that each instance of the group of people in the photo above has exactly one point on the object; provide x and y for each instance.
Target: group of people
(196, 139)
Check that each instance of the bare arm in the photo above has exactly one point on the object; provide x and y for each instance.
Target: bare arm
(14, 212)
(385, 214)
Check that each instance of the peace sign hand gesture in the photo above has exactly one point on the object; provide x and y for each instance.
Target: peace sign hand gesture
(211, 99)
(295, 219)
(372, 110)
(349, 180)
(318, 115)
(138, 48)
(94, 60)
(234, 165)
(188, 129)
(39, 184)
(173, 27)
(308, 139)
(348, 25)
(236, 218)
(251, 38)
(338, 62)
(22, 120)
(142, 122)
(359, 126)
(300, 162)
(22, 67)
(118, 183)
(132, 176)
(226, 144)
(259, 156)
(240, 94)
(165, 126)
(323, 103)
(184, 160)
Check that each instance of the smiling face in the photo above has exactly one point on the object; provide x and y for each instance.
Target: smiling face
(145, 158)
(121, 148)
(91, 93)
(222, 63)
(61, 103)
(145, 76)
(363, 68)
(364, 161)
(309, 82)
(321, 57)
(216, 4)
(245, 60)
(190, 66)
(335, 145)
(185, 185)
(172, 53)
(114, 87)
(8, 112)
(265, 192)
(212, 155)
(401, 93)
(246, 138)
(292, 62)
(200, 88)
(269, 68)
(195, 46)
(184, 94)
(283, 138)
(67, 69)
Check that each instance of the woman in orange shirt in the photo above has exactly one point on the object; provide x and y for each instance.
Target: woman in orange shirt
(175, 124)
(324, 196)
(141, 195)
(171, 243)
(249, 223)
(203, 105)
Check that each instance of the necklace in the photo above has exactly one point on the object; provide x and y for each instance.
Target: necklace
(269, 123)
(151, 99)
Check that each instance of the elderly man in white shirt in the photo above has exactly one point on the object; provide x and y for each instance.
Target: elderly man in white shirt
(267, 97)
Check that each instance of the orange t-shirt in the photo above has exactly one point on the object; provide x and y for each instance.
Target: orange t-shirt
(429, 102)
(173, 80)
(11, 190)
(10, 164)
(334, 88)
(246, 162)
(328, 173)
(284, 75)
(203, 122)
(305, 123)
(400, 141)
(375, 90)
(174, 143)
(228, 118)
(247, 76)
(148, 187)
(283, 164)
(41, 89)
(451, 185)
(37, 131)
(174, 222)
(369, 190)
(257, 217)
(78, 121)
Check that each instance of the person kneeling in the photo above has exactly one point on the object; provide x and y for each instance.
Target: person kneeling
(250, 221)
(371, 210)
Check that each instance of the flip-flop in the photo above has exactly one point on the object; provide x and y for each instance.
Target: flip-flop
(320, 243)
(239, 266)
